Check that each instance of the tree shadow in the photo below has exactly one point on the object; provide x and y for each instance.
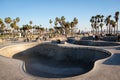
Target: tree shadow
(113, 60)
(41, 61)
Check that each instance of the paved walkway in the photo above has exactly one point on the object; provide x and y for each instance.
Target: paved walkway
(104, 69)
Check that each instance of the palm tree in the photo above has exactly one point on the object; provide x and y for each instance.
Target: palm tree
(92, 23)
(72, 24)
(8, 21)
(57, 19)
(75, 20)
(107, 21)
(116, 19)
(30, 22)
(2, 28)
(62, 18)
(1, 21)
(14, 26)
(96, 24)
(50, 21)
(62, 21)
(113, 24)
(98, 21)
(101, 25)
(102, 16)
(56, 23)
(17, 19)
(67, 28)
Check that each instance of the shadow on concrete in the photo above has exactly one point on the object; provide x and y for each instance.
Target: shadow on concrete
(39, 63)
(118, 48)
(113, 60)
(53, 61)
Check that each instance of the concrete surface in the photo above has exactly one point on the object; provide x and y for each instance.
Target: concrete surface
(104, 69)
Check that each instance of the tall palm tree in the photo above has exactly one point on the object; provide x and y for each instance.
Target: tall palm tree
(107, 21)
(113, 24)
(101, 22)
(116, 19)
(1, 21)
(96, 24)
(14, 26)
(62, 21)
(101, 26)
(30, 22)
(67, 28)
(8, 21)
(72, 25)
(102, 16)
(2, 28)
(75, 22)
(50, 21)
(55, 23)
(92, 23)
(57, 19)
(62, 18)
(17, 20)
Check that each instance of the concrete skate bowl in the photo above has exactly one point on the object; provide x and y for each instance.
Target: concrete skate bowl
(55, 61)
(96, 43)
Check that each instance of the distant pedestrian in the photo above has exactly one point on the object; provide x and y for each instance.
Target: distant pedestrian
(118, 37)
(96, 37)
(93, 37)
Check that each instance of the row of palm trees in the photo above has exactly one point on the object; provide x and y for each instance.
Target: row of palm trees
(65, 27)
(61, 26)
(99, 20)
(9, 23)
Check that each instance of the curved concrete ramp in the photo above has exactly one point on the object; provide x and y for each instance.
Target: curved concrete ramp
(92, 42)
(55, 61)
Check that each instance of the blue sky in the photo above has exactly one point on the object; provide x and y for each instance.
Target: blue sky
(40, 11)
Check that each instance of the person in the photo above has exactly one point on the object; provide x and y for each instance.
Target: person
(93, 37)
(118, 37)
(96, 37)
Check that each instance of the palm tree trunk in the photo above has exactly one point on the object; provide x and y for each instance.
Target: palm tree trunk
(117, 28)
(98, 30)
(93, 31)
(114, 30)
(101, 30)
(109, 29)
